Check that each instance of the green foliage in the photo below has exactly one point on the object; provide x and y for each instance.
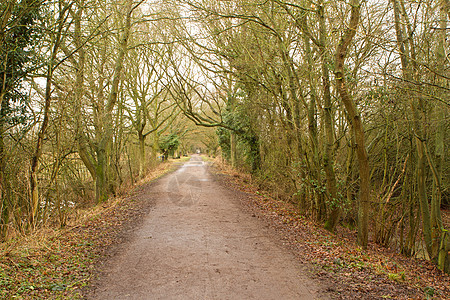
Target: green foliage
(397, 276)
(168, 144)
(340, 201)
(237, 117)
(224, 141)
(17, 57)
(429, 292)
(253, 155)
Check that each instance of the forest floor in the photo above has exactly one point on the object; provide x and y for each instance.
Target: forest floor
(80, 260)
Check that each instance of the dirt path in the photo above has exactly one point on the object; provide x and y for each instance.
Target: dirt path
(197, 243)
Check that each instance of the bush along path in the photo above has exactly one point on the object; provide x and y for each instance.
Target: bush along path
(335, 259)
(59, 264)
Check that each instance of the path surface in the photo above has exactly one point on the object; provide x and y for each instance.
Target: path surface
(197, 243)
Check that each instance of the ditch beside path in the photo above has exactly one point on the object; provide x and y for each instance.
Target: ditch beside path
(198, 243)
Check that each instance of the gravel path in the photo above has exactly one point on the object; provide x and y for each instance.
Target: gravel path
(197, 243)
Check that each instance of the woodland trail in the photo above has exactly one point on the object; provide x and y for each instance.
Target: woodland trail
(198, 243)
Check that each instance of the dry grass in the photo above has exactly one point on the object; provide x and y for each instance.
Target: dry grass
(227, 169)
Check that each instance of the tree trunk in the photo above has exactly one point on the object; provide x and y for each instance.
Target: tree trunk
(155, 148)
(255, 154)
(233, 149)
(141, 154)
(328, 157)
(34, 193)
(101, 184)
(42, 131)
(443, 257)
(3, 205)
(40, 140)
(415, 104)
(357, 126)
(105, 144)
(83, 152)
(315, 164)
